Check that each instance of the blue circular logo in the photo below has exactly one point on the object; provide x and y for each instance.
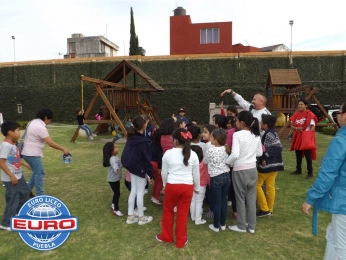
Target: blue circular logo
(44, 223)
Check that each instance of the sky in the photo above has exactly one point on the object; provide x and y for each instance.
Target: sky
(41, 27)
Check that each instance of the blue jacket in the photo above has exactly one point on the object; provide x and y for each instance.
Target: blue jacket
(136, 157)
(328, 193)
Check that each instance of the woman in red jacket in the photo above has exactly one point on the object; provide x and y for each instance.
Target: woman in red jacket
(303, 120)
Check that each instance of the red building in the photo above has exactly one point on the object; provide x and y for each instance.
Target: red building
(189, 38)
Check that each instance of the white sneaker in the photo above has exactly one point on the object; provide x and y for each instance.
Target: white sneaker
(229, 204)
(146, 191)
(211, 226)
(252, 231)
(5, 228)
(131, 220)
(235, 228)
(200, 222)
(144, 220)
(91, 138)
(223, 227)
(156, 201)
(118, 213)
(112, 206)
(94, 135)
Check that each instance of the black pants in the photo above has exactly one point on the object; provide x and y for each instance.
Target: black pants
(116, 194)
(231, 194)
(307, 154)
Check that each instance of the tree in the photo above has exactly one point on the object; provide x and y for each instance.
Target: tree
(134, 45)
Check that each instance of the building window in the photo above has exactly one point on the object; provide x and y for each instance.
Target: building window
(103, 47)
(72, 47)
(210, 35)
(111, 52)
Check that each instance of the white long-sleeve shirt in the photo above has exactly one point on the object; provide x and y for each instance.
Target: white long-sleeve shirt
(255, 113)
(174, 170)
(245, 148)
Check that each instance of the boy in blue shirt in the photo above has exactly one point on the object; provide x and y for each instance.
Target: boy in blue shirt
(17, 190)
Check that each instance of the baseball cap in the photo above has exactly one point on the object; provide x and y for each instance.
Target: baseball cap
(181, 110)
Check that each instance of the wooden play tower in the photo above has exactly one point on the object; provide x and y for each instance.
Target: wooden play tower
(117, 95)
(284, 89)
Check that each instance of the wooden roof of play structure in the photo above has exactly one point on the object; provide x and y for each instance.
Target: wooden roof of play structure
(284, 90)
(117, 94)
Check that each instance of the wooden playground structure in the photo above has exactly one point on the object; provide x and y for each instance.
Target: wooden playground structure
(284, 90)
(117, 95)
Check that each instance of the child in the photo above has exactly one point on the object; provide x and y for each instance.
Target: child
(166, 129)
(111, 160)
(196, 207)
(246, 146)
(231, 194)
(181, 115)
(196, 136)
(181, 123)
(17, 190)
(219, 177)
(206, 136)
(183, 179)
(136, 158)
(269, 165)
(156, 162)
(86, 128)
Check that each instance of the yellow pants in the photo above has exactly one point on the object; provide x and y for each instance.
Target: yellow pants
(266, 202)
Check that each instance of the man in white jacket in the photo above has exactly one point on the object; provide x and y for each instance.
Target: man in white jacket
(257, 107)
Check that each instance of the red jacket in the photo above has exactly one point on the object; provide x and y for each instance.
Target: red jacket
(302, 119)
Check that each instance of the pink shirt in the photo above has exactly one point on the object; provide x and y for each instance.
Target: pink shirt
(204, 175)
(34, 143)
(166, 143)
(230, 137)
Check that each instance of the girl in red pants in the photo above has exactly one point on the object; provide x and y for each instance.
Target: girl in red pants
(183, 179)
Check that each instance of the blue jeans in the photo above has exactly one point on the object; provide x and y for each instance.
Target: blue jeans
(36, 179)
(87, 129)
(219, 190)
(16, 196)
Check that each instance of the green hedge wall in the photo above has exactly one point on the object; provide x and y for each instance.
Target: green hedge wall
(189, 83)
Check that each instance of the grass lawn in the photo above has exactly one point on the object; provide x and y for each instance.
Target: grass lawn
(82, 186)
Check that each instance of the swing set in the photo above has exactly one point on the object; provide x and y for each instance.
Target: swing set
(284, 90)
(117, 95)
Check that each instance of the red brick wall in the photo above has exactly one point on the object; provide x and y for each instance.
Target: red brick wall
(185, 36)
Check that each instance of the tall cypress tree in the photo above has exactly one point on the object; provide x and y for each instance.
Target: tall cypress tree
(134, 50)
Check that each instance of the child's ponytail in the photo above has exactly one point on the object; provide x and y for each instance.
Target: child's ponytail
(254, 127)
(184, 138)
(137, 124)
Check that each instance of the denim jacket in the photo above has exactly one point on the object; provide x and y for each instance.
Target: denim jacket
(328, 193)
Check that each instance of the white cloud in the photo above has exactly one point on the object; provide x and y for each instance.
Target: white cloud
(42, 26)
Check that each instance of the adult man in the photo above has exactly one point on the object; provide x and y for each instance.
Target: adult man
(257, 107)
(36, 137)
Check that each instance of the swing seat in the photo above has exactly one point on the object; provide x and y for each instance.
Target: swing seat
(82, 133)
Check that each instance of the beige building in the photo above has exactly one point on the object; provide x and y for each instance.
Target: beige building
(80, 46)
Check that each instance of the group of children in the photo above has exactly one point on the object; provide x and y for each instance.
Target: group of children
(187, 166)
